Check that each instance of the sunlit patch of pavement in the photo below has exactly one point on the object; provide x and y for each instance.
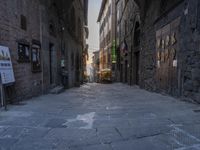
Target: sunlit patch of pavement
(88, 119)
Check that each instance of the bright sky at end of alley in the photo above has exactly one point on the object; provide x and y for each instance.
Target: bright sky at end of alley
(93, 41)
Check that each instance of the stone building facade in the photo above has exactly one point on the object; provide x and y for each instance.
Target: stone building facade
(46, 39)
(95, 65)
(168, 47)
(106, 21)
(127, 25)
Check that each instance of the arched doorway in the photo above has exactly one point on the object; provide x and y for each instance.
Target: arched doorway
(135, 56)
(77, 69)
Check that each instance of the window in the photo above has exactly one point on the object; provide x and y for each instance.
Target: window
(109, 36)
(23, 22)
(80, 30)
(137, 35)
(72, 61)
(52, 29)
(23, 53)
(109, 58)
(73, 20)
(36, 58)
(109, 11)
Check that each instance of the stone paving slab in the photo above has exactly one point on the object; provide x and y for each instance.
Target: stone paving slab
(140, 144)
(94, 147)
(7, 143)
(40, 144)
(101, 117)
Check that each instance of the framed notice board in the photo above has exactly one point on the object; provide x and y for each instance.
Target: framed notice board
(6, 68)
(36, 58)
(23, 53)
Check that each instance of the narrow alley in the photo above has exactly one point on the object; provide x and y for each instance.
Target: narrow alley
(99, 74)
(101, 117)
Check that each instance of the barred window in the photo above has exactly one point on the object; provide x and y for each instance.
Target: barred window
(23, 53)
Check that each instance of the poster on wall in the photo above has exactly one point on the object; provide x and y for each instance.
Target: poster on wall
(35, 58)
(6, 68)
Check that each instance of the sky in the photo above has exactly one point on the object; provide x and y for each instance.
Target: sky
(93, 12)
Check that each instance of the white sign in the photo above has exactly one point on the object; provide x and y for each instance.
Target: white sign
(158, 63)
(175, 63)
(6, 68)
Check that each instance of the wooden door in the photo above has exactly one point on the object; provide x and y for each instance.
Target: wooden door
(126, 71)
(137, 63)
(167, 46)
(51, 63)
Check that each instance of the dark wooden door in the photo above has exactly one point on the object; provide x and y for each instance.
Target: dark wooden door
(121, 72)
(126, 71)
(51, 63)
(137, 62)
(77, 70)
(167, 47)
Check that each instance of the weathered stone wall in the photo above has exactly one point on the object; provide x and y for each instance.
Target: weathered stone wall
(39, 14)
(74, 43)
(188, 57)
(190, 50)
(27, 83)
(182, 80)
(148, 43)
(128, 16)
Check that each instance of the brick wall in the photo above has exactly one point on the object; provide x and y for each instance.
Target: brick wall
(38, 17)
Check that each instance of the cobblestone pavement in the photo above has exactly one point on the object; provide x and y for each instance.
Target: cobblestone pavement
(101, 117)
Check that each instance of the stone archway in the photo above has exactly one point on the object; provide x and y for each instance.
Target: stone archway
(135, 53)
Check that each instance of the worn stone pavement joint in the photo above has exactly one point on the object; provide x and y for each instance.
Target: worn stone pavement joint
(195, 147)
(146, 136)
(171, 120)
(140, 120)
(118, 132)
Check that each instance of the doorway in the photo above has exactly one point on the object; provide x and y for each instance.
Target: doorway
(51, 47)
(136, 54)
(121, 72)
(77, 69)
(126, 71)
(137, 63)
